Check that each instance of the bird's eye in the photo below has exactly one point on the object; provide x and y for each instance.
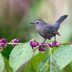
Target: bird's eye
(37, 22)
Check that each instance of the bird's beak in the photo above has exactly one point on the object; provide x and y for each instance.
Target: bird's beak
(31, 23)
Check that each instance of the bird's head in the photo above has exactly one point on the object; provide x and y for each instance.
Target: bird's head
(37, 22)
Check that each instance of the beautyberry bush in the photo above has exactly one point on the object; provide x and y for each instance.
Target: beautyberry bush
(34, 56)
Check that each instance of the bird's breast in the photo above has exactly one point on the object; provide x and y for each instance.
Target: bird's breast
(40, 30)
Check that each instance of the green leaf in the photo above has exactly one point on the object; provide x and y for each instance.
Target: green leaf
(44, 65)
(6, 52)
(68, 68)
(63, 55)
(29, 67)
(49, 64)
(54, 66)
(20, 55)
(2, 65)
(37, 59)
(7, 67)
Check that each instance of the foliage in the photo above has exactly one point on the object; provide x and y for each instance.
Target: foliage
(23, 58)
(15, 18)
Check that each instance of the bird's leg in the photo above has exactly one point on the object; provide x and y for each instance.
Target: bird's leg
(42, 44)
(44, 41)
(54, 38)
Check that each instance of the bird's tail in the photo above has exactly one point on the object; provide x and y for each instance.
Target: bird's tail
(59, 21)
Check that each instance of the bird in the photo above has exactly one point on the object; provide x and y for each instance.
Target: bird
(46, 30)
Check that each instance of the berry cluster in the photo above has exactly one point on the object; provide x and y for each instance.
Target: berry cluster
(41, 46)
(4, 42)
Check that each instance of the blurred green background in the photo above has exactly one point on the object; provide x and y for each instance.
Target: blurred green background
(16, 15)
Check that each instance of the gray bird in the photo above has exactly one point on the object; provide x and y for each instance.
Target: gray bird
(47, 31)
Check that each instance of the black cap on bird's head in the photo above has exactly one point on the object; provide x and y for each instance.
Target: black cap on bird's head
(38, 21)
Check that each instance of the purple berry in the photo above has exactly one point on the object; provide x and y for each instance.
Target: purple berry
(55, 43)
(50, 45)
(41, 47)
(15, 41)
(33, 43)
(3, 40)
(2, 45)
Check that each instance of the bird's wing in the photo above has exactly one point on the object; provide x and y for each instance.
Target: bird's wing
(50, 30)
